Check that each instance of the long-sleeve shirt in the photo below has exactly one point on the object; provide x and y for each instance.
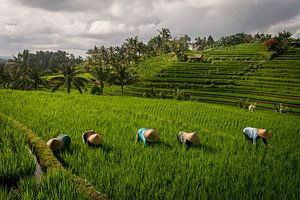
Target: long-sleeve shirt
(182, 139)
(252, 135)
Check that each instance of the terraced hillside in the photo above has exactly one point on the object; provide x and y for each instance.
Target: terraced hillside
(226, 76)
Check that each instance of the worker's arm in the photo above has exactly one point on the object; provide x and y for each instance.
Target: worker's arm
(136, 137)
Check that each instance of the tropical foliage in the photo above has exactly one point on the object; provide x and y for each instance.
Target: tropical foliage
(70, 77)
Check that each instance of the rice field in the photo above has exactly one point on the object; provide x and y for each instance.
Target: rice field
(224, 166)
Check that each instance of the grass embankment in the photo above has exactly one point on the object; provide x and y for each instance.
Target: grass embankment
(225, 166)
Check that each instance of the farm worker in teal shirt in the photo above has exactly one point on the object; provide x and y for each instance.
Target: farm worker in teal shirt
(146, 135)
(63, 141)
(254, 134)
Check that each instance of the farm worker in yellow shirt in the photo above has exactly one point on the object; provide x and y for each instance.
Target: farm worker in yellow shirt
(146, 135)
(254, 134)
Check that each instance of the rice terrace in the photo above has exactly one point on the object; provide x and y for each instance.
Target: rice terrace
(167, 116)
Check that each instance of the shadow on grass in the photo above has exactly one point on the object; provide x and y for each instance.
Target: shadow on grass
(160, 143)
(106, 148)
(67, 151)
(59, 158)
(204, 147)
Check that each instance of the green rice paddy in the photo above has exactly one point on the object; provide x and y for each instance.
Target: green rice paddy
(224, 166)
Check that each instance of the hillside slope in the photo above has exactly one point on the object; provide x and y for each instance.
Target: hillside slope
(227, 76)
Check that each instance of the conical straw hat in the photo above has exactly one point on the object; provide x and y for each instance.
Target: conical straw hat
(91, 137)
(95, 139)
(264, 133)
(55, 144)
(151, 135)
(192, 137)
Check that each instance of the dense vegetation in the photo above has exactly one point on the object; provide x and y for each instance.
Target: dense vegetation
(225, 166)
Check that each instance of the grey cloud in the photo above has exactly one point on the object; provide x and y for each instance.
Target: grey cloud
(64, 5)
(78, 24)
(268, 13)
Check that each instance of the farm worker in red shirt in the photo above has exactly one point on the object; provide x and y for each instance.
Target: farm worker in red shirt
(146, 135)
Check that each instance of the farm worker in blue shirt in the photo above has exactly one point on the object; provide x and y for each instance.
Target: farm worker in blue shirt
(254, 134)
(146, 135)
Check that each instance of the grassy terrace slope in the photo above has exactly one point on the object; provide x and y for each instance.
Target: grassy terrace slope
(223, 167)
(239, 72)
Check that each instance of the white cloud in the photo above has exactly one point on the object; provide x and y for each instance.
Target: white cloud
(116, 9)
(292, 25)
(104, 27)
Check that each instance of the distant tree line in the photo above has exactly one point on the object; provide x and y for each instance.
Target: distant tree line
(115, 65)
(278, 44)
(27, 71)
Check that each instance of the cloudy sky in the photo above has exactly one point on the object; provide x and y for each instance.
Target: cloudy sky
(77, 25)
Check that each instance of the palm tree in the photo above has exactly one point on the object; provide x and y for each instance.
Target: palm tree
(198, 43)
(20, 69)
(141, 48)
(165, 33)
(166, 37)
(4, 76)
(155, 44)
(185, 40)
(100, 74)
(122, 74)
(131, 47)
(210, 41)
(70, 77)
(35, 75)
